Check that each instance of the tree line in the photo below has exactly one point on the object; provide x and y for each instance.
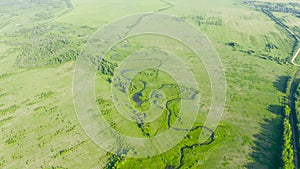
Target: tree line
(287, 150)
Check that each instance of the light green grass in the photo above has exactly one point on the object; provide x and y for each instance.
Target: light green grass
(96, 14)
(44, 124)
(38, 123)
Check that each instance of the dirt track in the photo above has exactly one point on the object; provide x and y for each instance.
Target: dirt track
(294, 84)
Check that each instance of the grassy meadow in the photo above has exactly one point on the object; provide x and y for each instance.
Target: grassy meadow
(39, 44)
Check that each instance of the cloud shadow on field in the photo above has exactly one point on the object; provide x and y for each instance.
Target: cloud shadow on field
(276, 109)
(281, 83)
(266, 148)
(267, 144)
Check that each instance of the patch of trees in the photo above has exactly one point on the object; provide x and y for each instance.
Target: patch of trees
(144, 128)
(287, 155)
(232, 44)
(107, 68)
(271, 58)
(270, 46)
(235, 47)
(48, 49)
(66, 56)
(48, 45)
(115, 159)
(287, 151)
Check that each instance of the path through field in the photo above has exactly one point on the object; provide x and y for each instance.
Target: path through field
(294, 84)
(294, 113)
(295, 56)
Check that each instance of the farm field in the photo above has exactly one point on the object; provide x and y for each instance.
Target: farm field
(41, 42)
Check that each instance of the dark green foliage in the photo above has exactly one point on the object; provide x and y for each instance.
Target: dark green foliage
(232, 44)
(48, 45)
(270, 46)
(113, 161)
(287, 152)
(107, 68)
(144, 128)
(47, 49)
(264, 56)
(250, 52)
(68, 55)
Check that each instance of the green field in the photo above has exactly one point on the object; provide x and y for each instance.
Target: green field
(41, 40)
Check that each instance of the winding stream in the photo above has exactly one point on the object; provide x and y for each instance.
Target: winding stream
(136, 99)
